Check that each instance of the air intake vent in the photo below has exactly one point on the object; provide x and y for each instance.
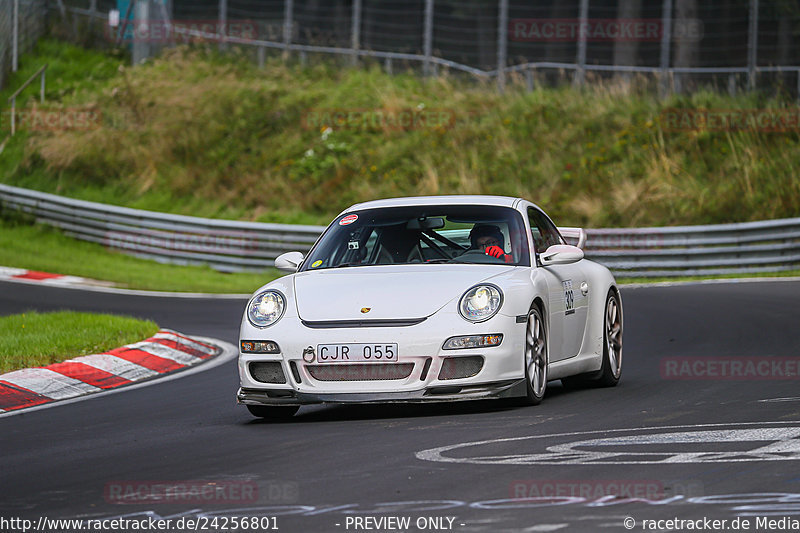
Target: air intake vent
(367, 372)
(460, 367)
(271, 372)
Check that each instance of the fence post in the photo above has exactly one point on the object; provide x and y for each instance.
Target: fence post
(141, 44)
(583, 16)
(502, 44)
(223, 23)
(15, 37)
(666, 41)
(288, 22)
(752, 45)
(355, 31)
(427, 45)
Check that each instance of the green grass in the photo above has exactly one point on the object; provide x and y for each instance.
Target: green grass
(199, 133)
(39, 339)
(42, 248)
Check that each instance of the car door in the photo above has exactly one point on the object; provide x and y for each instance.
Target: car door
(567, 304)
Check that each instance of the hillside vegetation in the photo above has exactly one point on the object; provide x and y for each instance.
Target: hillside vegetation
(199, 133)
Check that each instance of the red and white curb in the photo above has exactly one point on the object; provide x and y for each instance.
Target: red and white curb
(164, 353)
(21, 274)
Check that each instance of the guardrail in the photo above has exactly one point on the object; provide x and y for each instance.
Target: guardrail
(227, 245)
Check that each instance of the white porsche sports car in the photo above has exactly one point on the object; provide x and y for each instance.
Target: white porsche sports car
(430, 299)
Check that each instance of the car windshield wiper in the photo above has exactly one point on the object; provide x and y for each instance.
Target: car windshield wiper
(351, 264)
(438, 260)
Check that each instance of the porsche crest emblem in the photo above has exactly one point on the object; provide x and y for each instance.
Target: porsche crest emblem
(366, 309)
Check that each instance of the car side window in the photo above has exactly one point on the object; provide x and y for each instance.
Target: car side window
(545, 234)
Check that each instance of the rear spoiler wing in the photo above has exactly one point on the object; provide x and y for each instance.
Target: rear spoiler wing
(574, 233)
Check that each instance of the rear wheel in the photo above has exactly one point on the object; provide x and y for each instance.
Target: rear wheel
(612, 346)
(277, 412)
(535, 357)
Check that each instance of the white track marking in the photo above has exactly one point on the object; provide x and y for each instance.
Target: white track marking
(48, 383)
(169, 335)
(10, 271)
(166, 352)
(115, 365)
(770, 444)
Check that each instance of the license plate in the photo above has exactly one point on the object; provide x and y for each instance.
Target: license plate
(353, 352)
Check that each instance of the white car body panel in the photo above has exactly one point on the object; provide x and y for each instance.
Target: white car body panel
(390, 291)
(431, 292)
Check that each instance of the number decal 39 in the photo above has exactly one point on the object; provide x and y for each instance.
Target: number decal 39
(569, 297)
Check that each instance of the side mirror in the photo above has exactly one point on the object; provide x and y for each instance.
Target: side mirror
(289, 261)
(561, 254)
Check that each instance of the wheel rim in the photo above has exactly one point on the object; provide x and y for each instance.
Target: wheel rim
(614, 336)
(536, 354)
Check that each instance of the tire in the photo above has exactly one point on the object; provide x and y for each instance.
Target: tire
(612, 342)
(536, 357)
(278, 412)
(610, 372)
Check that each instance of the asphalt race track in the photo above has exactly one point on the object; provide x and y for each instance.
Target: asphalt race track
(673, 441)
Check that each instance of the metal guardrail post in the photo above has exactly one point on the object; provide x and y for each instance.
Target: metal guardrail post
(583, 19)
(223, 23)
(502, 44)
(427, 45)
(288, 23)
(752, 45)
(666, 51)
(15, 38)
(355, 31)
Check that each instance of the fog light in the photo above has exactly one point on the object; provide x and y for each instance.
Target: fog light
(259, 347)
(473, 341)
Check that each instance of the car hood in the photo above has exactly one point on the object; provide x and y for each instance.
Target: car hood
(389, 292)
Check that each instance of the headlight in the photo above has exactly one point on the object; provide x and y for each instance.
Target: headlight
(266, 308)
(480, 303)
(473, 341)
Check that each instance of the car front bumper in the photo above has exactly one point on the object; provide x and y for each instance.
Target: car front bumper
(501, 372)
(450, 393)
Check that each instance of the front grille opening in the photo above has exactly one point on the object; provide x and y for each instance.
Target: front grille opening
(295, 372)
(460, 367)
(360, 372)
(267, 372)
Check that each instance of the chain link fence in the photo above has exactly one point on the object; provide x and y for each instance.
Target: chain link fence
(681, 44)
(732, 45)
(22, 22)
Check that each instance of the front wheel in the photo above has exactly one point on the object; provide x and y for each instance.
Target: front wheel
(535, 358)
(278, 412)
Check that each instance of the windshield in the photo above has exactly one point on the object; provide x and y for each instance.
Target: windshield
(423, 235)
